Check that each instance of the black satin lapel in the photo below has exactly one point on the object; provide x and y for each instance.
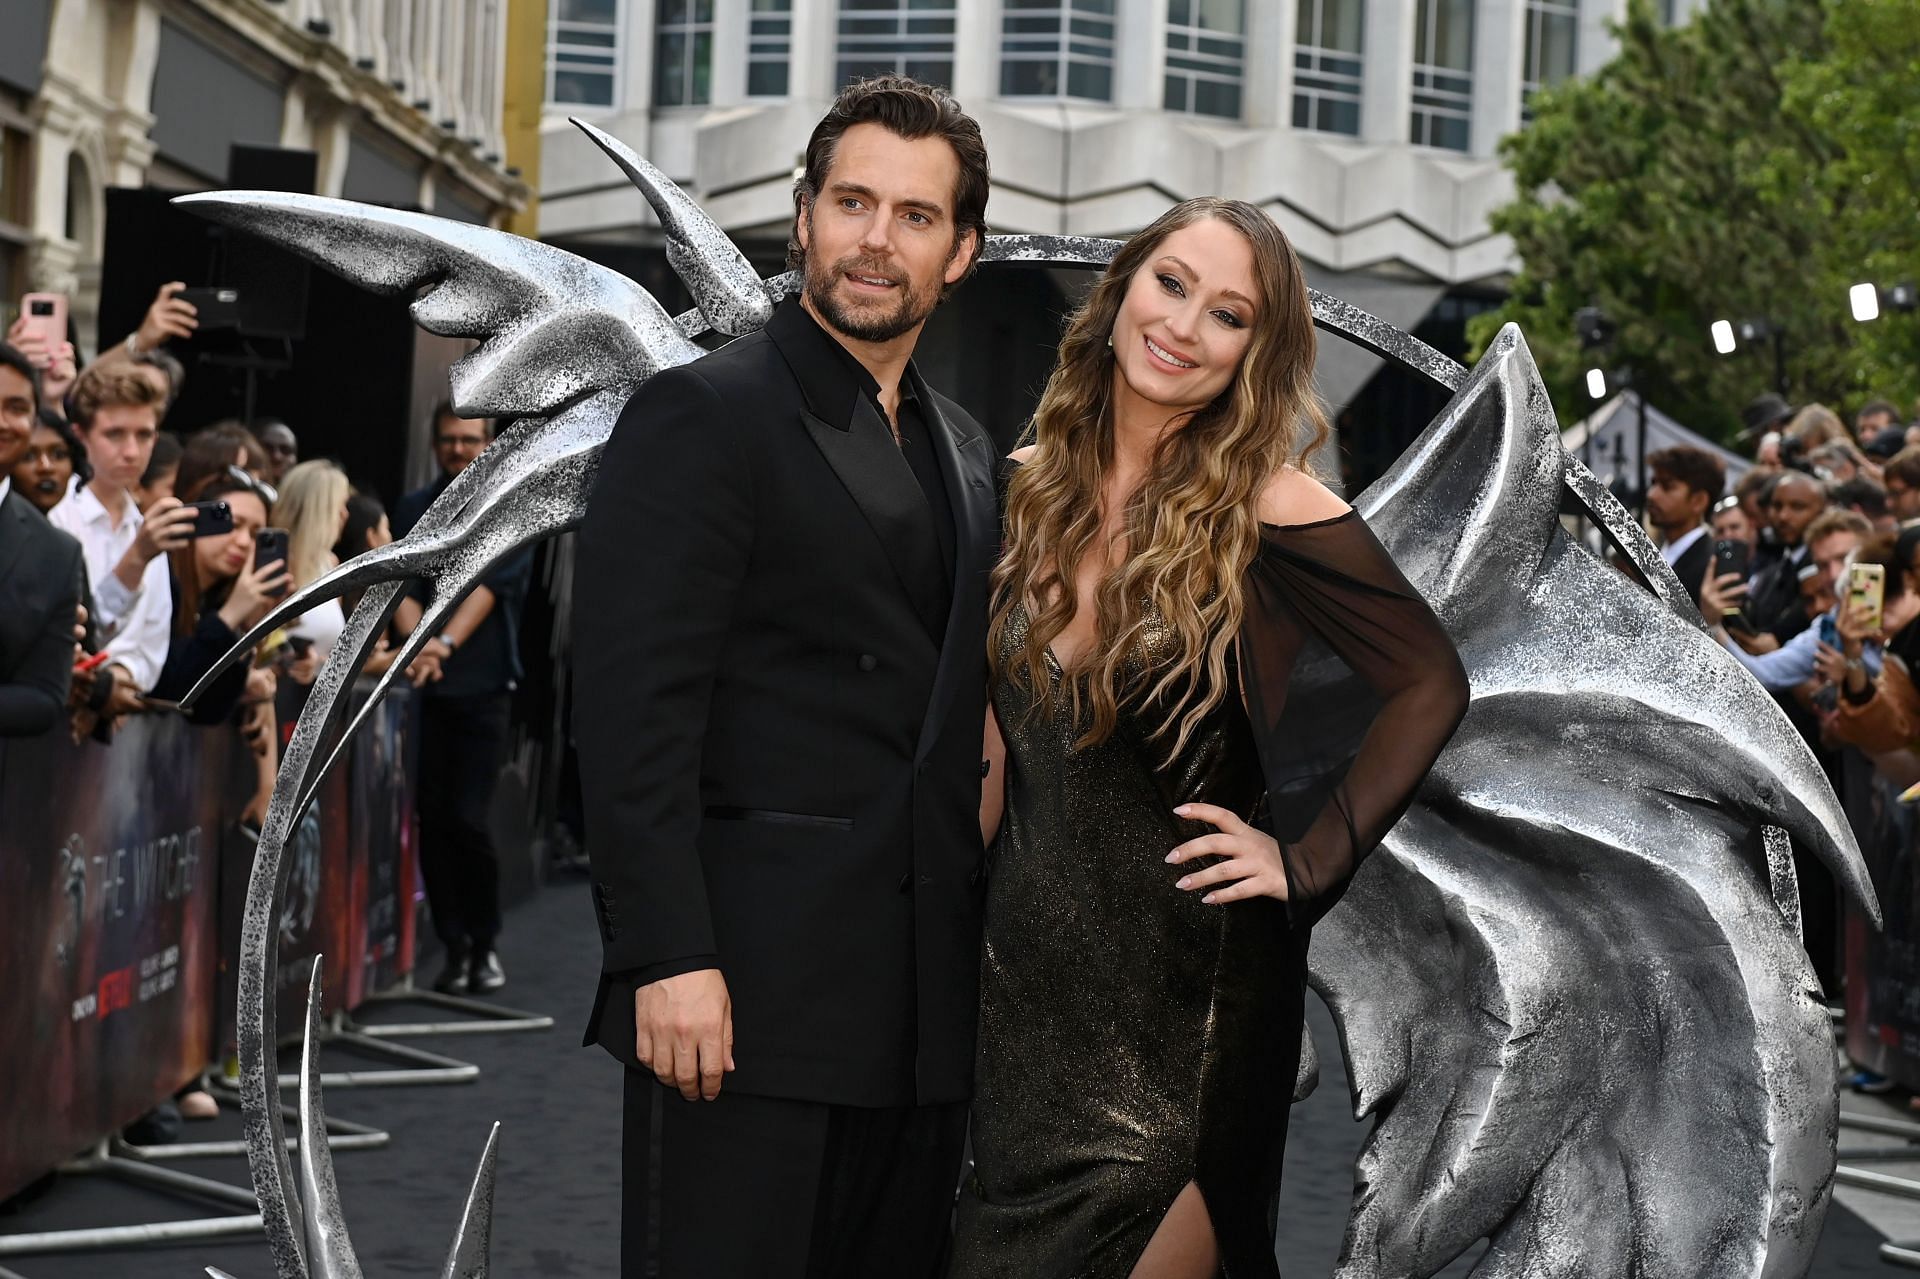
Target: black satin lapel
(881, 484)
(966, 463)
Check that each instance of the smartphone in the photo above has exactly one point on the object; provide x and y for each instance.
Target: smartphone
(1731, 557)
(46, 316)
(1867, 593)
(210, 519)
(1829, 632)
(270, 544)
(213, 308)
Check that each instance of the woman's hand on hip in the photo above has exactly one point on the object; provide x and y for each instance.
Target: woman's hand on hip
(1250, 864)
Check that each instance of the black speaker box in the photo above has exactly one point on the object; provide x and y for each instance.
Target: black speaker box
(272, 282)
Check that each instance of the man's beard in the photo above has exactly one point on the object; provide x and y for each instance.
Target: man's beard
(867, 324)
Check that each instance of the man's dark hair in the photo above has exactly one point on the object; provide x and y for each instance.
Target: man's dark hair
(1877, 406)
(1904, 466)
(444, 410)
(12, 359)
(1863, 495)
(1696, 468)
(911, 110)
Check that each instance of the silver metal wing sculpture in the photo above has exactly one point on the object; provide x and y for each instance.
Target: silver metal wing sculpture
(1569, 987)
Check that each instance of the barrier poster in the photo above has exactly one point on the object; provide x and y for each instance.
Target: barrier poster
(108, 884)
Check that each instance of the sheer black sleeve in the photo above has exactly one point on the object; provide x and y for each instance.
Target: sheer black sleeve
(1343, 758)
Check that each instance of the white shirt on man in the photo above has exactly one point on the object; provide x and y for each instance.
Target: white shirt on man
(1673, 550)
(136, 625)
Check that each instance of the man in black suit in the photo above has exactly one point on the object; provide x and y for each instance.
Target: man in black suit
(1686, 483)
(467, 675)
(1794, 501)
(779, 638)
(40, 577)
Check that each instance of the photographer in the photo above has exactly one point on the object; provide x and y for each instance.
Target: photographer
(1902, 478)
(220, 592)
(116, 414)
(1831, 541)
(1880, 715)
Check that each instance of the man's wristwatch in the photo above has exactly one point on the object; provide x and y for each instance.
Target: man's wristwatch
(453, 646)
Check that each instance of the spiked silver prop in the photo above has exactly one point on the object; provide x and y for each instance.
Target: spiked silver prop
(1569, 985)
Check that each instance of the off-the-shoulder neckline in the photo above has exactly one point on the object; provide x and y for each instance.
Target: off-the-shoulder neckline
(1347, 514)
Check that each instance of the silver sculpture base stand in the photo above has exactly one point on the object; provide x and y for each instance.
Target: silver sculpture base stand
(115, 1159)
(479, 1016)
(342, 1134)
(1893, 1253)
(420, 1069)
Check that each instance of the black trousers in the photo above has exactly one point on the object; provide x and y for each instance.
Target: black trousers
(463, 742)
(764, 1188)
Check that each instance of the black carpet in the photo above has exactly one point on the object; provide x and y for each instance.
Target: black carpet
(559, 1106)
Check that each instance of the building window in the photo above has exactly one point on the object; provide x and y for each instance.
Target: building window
(1443, 74)
(907, 37)
(683, 53)
(583, 52)
(1206, 56)
(1553, 30)
(16, 204)
(1057, 49)
(769, 47)
(1327, 49)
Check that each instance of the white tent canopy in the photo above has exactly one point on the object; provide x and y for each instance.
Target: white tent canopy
(1608, 441)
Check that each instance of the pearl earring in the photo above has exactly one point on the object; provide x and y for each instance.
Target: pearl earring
(1109, 339)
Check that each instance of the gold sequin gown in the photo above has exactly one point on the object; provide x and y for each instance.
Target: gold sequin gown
(1132, 1038)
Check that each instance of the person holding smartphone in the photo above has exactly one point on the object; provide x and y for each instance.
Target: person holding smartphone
(220, 589)
(1880, 714)
(116, 413)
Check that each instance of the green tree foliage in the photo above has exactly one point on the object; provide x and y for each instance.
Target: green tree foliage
(1753, 163)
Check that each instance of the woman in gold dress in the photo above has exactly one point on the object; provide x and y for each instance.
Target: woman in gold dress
(1168, 561)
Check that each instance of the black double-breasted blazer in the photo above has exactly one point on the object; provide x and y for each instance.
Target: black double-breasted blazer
(780, 758)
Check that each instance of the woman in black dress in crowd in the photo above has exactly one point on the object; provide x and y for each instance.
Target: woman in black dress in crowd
(1166, 560)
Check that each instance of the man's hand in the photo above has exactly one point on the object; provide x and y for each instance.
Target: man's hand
(425, 669)
(165, 528)
(683, 1031)
(168, 317)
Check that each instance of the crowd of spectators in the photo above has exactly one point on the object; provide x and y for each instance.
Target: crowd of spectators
(1769, 563)
(133, 557)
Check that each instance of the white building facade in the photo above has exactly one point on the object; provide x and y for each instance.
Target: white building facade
(401, 100)
(1367, 128)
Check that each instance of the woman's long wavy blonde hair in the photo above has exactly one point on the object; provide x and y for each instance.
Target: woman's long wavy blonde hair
(1191, 528)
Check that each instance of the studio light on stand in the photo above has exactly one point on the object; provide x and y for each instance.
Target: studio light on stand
(1730, 335)
(1867, 300)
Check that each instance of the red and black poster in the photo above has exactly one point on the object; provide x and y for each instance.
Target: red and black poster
(380, 812)
(109, 866)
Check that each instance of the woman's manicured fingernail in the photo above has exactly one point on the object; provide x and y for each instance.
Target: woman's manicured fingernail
(1174, 856)
(1208, 899)
(1183, 881)
(1182, 810)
